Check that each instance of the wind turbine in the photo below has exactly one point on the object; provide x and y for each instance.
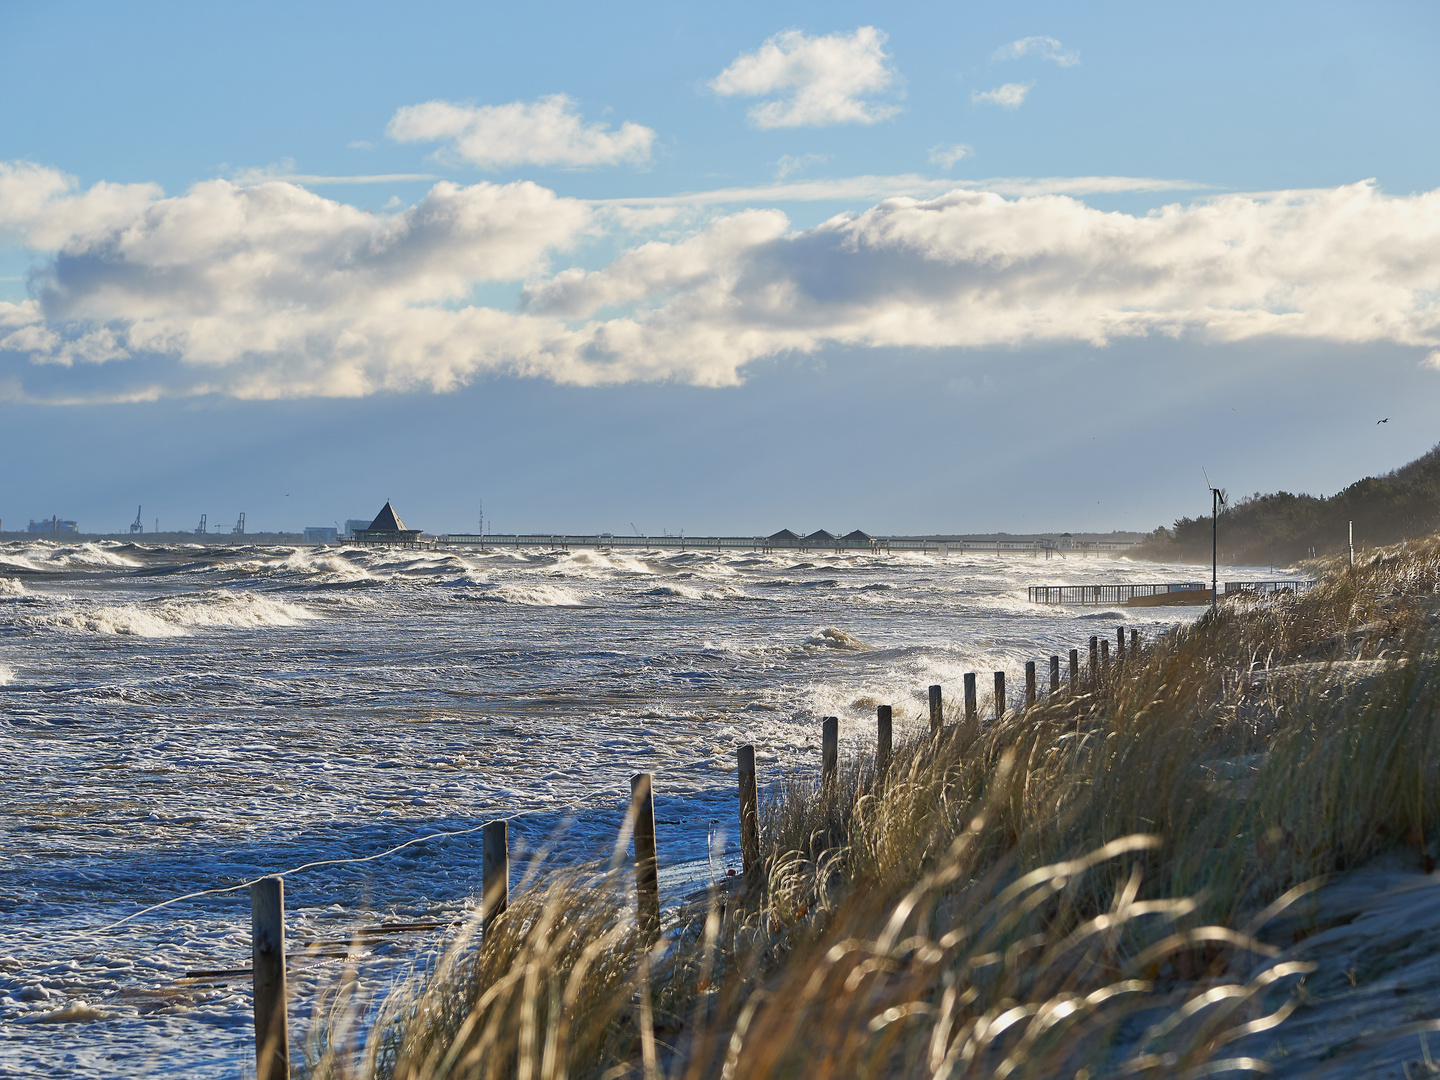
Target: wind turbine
(1217, 500)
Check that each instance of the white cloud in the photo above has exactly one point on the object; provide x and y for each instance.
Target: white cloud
(789, 166)
(946, 155)
(286, 171)
(1432, 360)
(1009, 96)
(273, 291)
(820, 80)
(1047, 48)
(549, 131)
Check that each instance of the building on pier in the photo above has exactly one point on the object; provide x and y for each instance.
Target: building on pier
(387, 528)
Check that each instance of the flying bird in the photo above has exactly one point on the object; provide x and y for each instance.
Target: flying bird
(1385, 421)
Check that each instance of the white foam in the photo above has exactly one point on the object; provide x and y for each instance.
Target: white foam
(11, 587)
(833, 637)
(178, 617)
(7, 674)
(535, 595)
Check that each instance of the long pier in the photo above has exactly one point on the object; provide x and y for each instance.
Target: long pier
(1040, 548)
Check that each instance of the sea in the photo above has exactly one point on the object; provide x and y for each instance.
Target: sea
(183, 718)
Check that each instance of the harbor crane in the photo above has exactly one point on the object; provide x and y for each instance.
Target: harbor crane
(137, 526)
(201, 530)
(239, 529)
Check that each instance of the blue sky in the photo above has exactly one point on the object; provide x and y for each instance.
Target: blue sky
(939, 268)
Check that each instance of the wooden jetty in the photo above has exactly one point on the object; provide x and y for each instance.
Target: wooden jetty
(1164, 594)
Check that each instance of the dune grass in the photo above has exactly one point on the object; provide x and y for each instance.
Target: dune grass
(1080, 889)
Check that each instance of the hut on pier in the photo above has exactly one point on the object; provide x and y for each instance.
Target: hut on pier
(387, 528)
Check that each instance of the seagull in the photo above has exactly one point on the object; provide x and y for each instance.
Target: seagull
(1385, 421)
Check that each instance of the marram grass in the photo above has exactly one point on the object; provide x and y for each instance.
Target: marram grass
(1082, 889)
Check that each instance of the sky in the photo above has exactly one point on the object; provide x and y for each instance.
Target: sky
(722, 268)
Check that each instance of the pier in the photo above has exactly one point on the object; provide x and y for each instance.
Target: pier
(1157, 595)
(1039, 548)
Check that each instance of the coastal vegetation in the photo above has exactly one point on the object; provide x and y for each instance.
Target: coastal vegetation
(1282, 528)
(1119, 880)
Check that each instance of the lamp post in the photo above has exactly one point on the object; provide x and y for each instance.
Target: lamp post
(1217, 500)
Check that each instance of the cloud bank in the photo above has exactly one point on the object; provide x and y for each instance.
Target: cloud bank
(820, 80)
(548, 132)
(273, 291)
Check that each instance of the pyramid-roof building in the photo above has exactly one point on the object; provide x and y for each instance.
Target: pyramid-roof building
(783, 534)
(387, 520)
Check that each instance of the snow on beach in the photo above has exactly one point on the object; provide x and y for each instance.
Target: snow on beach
(184, 718)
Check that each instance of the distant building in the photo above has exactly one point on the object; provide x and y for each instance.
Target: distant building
(354, 525)
(858, 538)
(784, 536)
(387, 528)
(321, 534)
(820, 536)
(53, 525)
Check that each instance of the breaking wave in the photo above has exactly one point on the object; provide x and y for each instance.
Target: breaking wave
(177, 617)
(834, 638)
(528, 596)
(7, 674)
(688, 592)
(11, 587)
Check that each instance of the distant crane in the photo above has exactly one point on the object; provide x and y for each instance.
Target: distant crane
(137, 526)
(239, 529)
(201, 529)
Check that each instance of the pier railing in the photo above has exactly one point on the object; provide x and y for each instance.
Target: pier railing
(1095, 595)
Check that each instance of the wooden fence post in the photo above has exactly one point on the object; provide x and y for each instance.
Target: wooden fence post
(1094, 660)
(1119, 643)
(1135, 643)
(883, 720)
(647, 878)
(749, 816)
(999, 695)
(1054, 675)
(829, 750)
(1074, 671)
(494, 872)
(937, 712)
(1029, 683)
(972, 706)
(267, 970)
(1105, 658)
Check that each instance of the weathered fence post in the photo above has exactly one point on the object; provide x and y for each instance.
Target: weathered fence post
(972, 706)
(1074, 670)
(494, 872)
(1094, 660)
(829, 750)
(1029, 683)
(884, 716)
(1135, 643)
(749, 816)
(647, 877)
(937, 712)
(1054, 675)
(1119, 643)
(267, 970)
(1104, 658)
(999, 695)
